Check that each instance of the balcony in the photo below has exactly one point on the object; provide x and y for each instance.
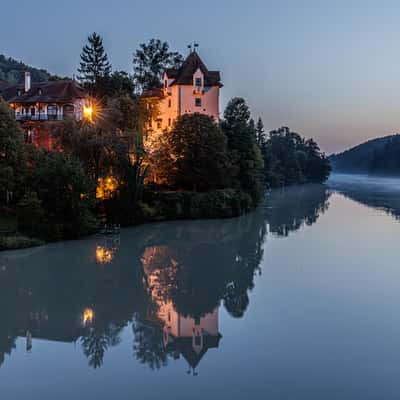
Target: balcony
(41, 117)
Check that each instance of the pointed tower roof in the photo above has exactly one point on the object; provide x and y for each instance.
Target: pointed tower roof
(184, 75)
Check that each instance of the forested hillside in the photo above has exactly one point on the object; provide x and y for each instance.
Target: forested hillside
(13, 71)
(377, 156)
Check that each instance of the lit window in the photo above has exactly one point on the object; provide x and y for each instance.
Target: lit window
(199, 82)
(198, 102)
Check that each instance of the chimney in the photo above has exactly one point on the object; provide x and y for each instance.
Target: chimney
(27, 81)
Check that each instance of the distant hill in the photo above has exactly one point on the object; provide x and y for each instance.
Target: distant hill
(13, 71)
(377, 156)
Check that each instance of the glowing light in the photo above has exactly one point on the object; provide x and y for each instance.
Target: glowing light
(88, 112)
(88, 316)
(103, 255)
(106, 187)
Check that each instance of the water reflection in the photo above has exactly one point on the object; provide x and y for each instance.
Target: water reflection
(382, 193)
(165, 283)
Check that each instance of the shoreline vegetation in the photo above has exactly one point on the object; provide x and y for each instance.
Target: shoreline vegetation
(111, 170)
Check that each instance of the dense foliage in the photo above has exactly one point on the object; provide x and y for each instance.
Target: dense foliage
(244, 152)
(11, 153)
(13, 71)
(150, 61)
(194, 155)
(291, 159)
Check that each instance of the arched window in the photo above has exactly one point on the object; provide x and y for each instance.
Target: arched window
(68, 110)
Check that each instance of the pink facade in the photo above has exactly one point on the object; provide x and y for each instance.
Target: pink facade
(187, 90)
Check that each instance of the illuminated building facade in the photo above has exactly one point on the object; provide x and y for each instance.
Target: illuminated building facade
(38, 106)
(190, 89)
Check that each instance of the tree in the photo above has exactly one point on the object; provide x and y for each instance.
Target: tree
(290, 159)
(260, 134)
(11, 153)
(243, 149)
(150, 61)
(195, 153)
(94, 63)
(57, 185)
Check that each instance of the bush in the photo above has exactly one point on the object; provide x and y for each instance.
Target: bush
(18, 242)
(224, 203)
(29, 214)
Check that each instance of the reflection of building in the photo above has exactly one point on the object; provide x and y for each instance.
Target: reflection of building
(191, 337)
(186, 336)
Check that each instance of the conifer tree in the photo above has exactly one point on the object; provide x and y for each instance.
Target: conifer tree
(94, 63)
(244, 151)
(260, 133)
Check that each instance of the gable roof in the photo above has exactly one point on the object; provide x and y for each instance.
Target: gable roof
(185, 346)
(184, 75)
(63, 91)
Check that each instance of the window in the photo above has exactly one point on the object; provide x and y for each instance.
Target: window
(39, 92)
(197, 321)
(169, 121)
(197, 341)
(33, 111)
(159, 123)
(165, 84)
(169, 103)
(52, 113)
(150, 123)
(68, 110)
(198, 102)
(198, 82)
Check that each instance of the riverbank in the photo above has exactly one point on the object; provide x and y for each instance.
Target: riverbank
(156, 206)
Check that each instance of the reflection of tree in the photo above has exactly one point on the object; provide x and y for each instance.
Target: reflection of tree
(291, 208)
(7, 344)
(148, 344)
(97, 341)
(382, 193)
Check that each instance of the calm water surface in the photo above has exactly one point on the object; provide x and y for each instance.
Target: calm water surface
(297, 300)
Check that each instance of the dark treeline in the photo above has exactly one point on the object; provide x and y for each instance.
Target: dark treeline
(196, 266)
(110, 164)
(290, 159)
(378, 156)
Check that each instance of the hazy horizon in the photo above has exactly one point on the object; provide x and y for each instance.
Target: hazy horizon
(328, 71)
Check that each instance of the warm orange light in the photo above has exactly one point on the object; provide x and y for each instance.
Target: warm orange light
(88, 316)
(88, 112)
(103, 255)
(106, 187)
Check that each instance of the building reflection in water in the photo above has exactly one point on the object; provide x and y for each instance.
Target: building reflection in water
(186, 336)
(167, 282)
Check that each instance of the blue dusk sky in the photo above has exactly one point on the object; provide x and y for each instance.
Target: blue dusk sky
(327, 69)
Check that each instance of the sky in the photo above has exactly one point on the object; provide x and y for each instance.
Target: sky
(327, 69)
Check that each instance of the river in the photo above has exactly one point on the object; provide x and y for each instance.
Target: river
(296, 300)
